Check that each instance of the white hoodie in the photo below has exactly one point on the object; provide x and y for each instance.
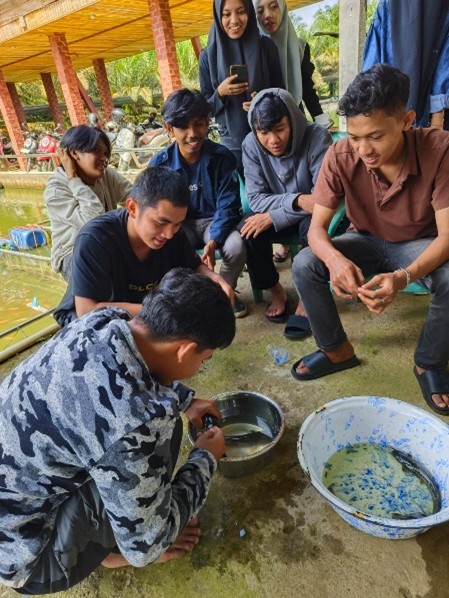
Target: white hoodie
(72, 203)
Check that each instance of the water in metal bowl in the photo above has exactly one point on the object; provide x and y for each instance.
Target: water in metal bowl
(252, 424)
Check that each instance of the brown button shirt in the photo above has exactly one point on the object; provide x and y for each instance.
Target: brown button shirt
(402, 211)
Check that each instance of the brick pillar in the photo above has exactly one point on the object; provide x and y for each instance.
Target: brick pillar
(11, 118)
(67, 77)
(164, 42)
(103, 87)
(53, 104)
(17, 103)
(197, 47)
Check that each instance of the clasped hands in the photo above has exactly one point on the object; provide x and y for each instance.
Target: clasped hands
(348, 282)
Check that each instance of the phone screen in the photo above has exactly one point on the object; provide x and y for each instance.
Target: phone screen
(241, 70)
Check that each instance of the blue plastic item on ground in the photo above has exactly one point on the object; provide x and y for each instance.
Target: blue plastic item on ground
(25, 237)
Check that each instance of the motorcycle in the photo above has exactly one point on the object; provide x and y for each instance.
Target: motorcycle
(30, 147)
(6, 149)
(48, 145)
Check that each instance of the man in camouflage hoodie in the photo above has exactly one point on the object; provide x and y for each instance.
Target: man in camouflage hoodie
(90, 431)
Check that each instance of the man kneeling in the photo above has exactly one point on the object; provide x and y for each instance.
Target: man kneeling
(90, 433)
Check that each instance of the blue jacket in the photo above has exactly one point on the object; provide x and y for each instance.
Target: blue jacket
(414, 37)
(220, 193)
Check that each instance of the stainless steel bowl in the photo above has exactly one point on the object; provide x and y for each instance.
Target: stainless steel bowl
(247, 410)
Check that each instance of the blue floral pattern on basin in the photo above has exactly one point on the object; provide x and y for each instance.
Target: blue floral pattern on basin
(386, 422)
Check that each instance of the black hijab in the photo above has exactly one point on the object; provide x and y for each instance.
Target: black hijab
(224, 51)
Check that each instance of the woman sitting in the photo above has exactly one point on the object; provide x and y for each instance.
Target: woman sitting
(80, 189)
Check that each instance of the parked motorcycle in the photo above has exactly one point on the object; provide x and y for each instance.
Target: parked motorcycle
(6, 149)
(30, 147)
(47, 146)
(113, 126)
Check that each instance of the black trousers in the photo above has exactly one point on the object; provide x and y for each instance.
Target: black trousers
(260, 251)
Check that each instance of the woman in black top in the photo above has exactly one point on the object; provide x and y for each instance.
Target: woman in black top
(234, 39)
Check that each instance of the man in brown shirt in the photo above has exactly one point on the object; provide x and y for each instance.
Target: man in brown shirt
(396, 183)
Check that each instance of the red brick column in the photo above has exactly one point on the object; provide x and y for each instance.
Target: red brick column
(164, 42)
(11, 118)
(67, 77)
(197, 47)
(53, 104)
(17, 103)
(103, 87)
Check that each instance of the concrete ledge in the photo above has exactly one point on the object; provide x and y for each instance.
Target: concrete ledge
(38, 180)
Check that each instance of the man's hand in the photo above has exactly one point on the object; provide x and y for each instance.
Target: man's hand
(254, 225)
(346, 278)
(208, 257)
(381, 290)
(212, 440)
(198, 408)
(67, 162)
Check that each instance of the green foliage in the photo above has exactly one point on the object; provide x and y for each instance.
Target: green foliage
(323, 38)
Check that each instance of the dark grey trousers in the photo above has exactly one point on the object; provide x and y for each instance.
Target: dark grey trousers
(81, 540)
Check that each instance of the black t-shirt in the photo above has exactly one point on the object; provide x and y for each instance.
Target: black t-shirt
(105, 268)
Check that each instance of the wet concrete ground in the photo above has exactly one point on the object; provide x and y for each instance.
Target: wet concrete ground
(271, 534)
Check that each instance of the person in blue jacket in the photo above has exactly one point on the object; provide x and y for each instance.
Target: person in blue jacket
(210, 170)
(414, 37)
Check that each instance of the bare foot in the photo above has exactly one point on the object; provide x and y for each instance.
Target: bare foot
(440, 400)
(281, 254)
(278, 301)
(114, 561)
(341, 353)
(185, 542)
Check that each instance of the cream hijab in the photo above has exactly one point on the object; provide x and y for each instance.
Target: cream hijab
(291, 50)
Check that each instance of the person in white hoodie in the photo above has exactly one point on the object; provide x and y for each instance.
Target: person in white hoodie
(281, 159)
(80, 189)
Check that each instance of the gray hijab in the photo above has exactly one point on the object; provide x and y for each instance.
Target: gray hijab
(291, 50)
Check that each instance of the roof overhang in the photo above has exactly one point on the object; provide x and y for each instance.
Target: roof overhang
(108, 29)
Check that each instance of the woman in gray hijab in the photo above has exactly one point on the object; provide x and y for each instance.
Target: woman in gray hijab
(274, 21)
(234, 39)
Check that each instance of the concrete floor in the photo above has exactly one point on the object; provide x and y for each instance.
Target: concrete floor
(271, 534)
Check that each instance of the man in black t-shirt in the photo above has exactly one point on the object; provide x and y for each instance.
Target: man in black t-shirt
(121, 255)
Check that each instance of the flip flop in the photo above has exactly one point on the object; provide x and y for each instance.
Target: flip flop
(297, 327)
(320, 365)
(280, 256)
(280, 319)
(433, 382)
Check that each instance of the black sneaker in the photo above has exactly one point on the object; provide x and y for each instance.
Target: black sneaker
(239, 308)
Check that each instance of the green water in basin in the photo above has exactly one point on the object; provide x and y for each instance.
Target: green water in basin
(381, 481)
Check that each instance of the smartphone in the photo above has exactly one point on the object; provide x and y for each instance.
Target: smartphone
(241, 70)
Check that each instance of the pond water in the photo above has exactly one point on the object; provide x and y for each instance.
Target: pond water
(27, 286)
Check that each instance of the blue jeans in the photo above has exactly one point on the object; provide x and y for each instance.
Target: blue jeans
(373, 255)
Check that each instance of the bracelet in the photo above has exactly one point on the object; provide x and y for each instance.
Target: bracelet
(407, 273)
